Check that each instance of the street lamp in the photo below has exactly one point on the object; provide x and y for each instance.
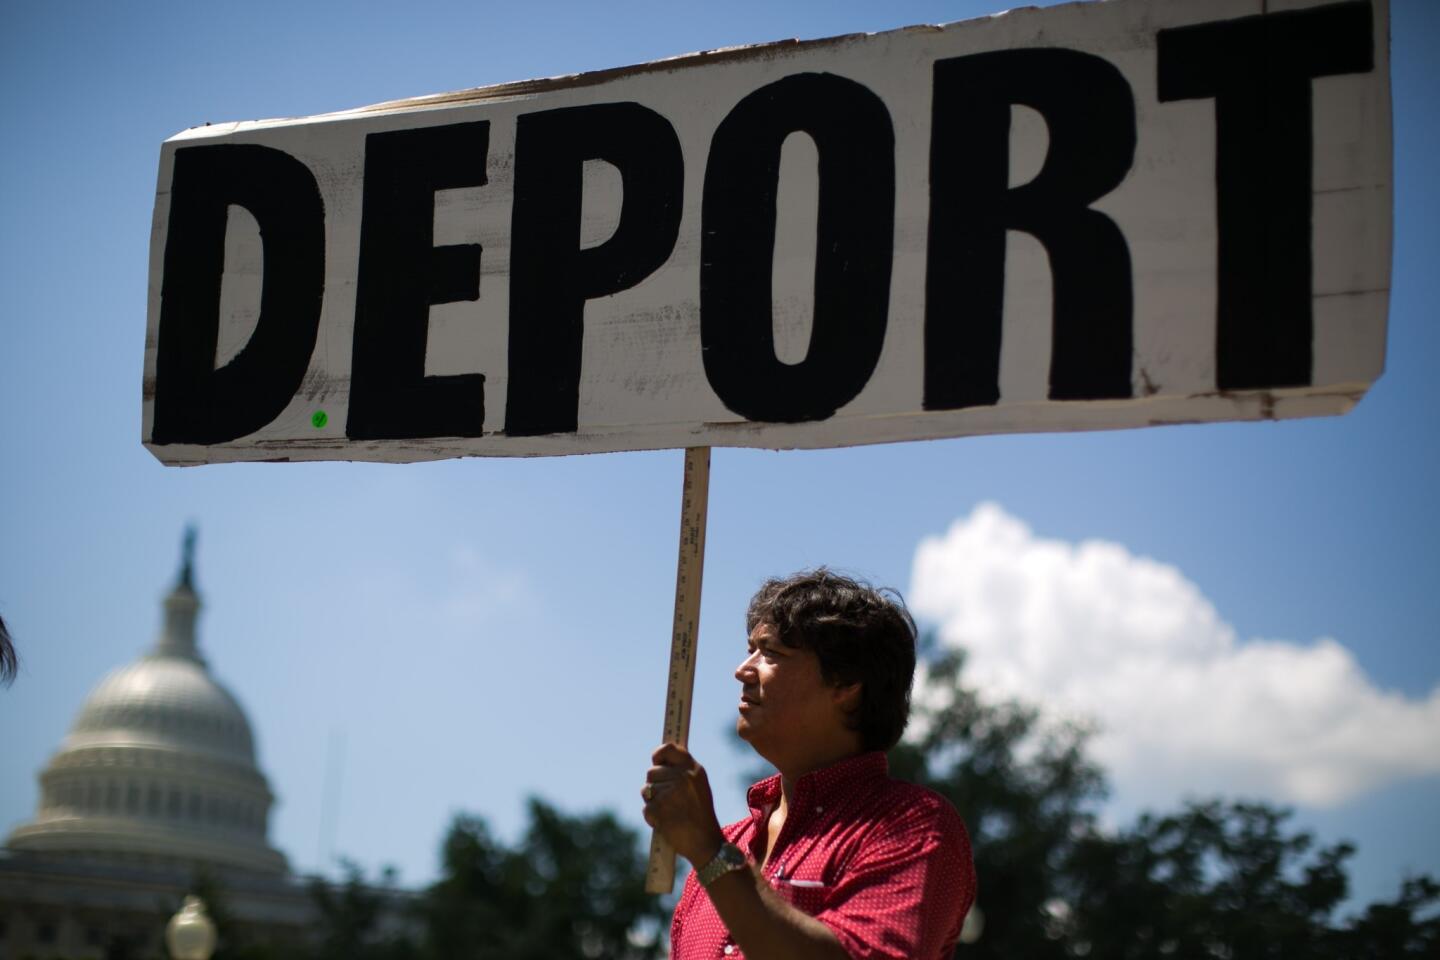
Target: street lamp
(190, 935)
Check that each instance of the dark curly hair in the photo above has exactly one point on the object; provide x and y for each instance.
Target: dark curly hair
(860, 634)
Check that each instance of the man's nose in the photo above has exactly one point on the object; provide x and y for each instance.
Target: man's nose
(746, 668)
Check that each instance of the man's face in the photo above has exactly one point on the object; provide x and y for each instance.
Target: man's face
(786, 707)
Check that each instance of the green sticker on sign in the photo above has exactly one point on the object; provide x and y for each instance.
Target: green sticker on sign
(319, 418)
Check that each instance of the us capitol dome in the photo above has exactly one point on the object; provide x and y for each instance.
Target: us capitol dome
(159, 765)
(155, 784)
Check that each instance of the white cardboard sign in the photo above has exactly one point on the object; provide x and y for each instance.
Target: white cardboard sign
(1092, 216)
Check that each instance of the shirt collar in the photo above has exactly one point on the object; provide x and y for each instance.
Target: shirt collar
(818, 785)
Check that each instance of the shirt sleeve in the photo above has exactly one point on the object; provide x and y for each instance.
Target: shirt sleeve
(905, 893)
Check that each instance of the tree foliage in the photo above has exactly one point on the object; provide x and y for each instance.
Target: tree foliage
(572, 888)
(1217, 879)
(359, 920)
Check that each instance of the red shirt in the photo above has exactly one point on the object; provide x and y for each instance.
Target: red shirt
(884, 864)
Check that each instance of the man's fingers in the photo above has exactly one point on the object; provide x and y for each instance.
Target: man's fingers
(659, 781)
(672, 755)
(665, 774)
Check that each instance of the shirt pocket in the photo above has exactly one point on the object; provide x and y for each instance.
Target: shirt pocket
(807, 896)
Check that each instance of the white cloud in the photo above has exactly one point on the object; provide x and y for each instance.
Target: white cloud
(1094, 632)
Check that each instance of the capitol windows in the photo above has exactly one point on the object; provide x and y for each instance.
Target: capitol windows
(152, 801)
(172, 808)
(212, 810)
(194, 806)
(92, 797)
(112, 798)
(132, 798)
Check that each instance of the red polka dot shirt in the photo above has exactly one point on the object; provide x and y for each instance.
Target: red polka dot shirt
(884, 864)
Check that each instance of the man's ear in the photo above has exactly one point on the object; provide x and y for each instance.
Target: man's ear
(847, 695)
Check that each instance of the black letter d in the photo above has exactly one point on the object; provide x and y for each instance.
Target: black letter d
(194, 402)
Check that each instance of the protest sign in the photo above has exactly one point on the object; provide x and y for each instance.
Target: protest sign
(1084, 217)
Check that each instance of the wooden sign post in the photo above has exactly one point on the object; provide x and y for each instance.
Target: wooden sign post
(684, 638)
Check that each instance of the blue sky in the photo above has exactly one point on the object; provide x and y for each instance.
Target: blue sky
(475, 631)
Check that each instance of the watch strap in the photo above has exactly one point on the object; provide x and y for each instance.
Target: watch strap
(727, 859)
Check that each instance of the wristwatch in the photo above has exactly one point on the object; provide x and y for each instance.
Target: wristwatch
(728, 858)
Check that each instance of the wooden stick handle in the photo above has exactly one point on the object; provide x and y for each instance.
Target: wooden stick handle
(689, 572)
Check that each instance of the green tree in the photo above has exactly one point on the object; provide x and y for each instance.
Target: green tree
(1215, 880)
(360, 920)
(467, 912)
(1408, 926)
(1026, 790)
(572, 888)
(591, 878)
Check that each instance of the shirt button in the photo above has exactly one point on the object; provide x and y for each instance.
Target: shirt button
(819, 809)
(729, 949)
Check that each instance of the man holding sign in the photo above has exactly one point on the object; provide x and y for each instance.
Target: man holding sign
(836, 859)
(1208, 206)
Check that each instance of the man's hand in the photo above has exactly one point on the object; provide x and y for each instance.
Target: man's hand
(678, 804)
